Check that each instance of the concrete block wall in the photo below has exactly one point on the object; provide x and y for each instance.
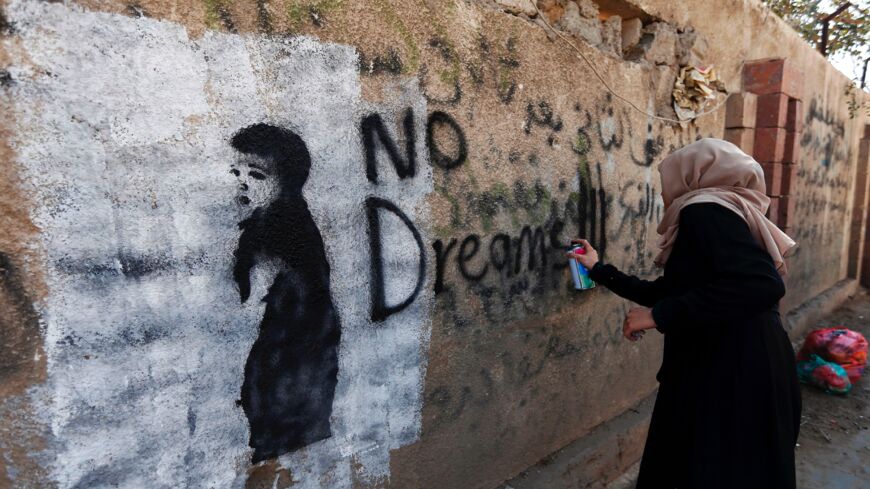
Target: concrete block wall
(859, 266)
(391, 184)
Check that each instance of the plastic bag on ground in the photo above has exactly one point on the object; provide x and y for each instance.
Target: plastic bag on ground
(841, 346)
(825, 375)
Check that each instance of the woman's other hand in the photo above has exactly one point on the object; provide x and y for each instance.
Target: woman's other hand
(636, 322)
(588, 259)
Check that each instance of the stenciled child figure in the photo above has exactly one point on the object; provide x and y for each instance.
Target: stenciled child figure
(292, 369)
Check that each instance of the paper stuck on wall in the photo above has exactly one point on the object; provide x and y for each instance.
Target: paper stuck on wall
(694, 89)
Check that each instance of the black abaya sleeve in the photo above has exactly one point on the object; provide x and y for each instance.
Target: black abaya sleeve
(644, 292)
(745, 282)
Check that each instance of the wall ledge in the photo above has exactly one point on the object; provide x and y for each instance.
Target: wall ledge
(607, 452)
(800, 319)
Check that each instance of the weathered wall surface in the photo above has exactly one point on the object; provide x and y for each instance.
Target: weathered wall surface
(828, 145)
(454, 149)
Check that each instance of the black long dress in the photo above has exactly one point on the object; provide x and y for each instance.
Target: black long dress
(728, 408)
(292, 369)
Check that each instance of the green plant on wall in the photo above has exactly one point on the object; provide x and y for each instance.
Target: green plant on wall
(216, 13)
(855, 106)
(390, 15)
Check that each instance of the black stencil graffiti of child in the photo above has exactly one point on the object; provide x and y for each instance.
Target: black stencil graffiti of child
(292, 369)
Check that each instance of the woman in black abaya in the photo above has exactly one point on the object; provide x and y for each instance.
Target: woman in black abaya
(728, 407)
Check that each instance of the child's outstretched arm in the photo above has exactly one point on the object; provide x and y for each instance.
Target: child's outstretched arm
(244, 262)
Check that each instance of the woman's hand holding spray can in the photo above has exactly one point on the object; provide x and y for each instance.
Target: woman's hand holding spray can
(581, 258)
(576, 257)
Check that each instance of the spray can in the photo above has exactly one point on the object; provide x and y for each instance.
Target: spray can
(582, 281)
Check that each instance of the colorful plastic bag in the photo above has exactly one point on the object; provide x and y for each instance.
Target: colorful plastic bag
(841, 346)
(826, 375)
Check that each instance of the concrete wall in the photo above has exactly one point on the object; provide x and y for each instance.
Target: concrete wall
(454, 148)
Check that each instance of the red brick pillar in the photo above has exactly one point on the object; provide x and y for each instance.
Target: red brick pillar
(777, 86)
(740, 120)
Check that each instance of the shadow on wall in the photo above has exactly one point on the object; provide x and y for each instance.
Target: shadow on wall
(292, 369)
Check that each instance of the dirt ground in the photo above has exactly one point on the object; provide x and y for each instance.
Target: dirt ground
(834, 443)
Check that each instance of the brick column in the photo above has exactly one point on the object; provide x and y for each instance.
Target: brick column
(776, 86)
(740, 120)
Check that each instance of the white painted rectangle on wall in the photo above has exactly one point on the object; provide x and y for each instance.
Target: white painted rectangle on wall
(123, 137)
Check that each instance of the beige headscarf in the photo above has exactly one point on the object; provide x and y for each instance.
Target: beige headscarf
(713, 170)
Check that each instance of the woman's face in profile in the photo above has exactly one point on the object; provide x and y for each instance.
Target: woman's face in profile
(257, 183)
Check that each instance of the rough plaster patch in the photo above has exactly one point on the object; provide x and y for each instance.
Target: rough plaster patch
(124, 130)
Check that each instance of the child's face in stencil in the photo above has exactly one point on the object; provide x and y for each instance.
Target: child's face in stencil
(257, 183)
